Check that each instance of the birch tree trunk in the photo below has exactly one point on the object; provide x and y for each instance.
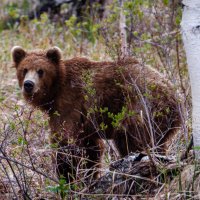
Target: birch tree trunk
(122, 25)
(191, 38)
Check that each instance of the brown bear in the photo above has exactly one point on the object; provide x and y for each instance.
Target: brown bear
(87, 101)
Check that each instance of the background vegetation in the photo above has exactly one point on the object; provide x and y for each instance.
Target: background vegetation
(153, 35)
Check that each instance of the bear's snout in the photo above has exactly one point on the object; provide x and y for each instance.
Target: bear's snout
(28, 86)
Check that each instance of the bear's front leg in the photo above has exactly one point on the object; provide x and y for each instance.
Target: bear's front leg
(64, 138)
(67, 162)
(78, 153)
(79, 160)
(94, 148)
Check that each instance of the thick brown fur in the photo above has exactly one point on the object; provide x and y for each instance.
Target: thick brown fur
(89, 101)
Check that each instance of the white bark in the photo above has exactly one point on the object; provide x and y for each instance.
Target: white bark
(191, 38)
(122, 25)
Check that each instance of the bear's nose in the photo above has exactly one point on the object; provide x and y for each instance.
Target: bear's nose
(28, 86)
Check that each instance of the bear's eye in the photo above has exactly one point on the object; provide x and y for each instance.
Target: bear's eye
(25, 71)
(40, 72)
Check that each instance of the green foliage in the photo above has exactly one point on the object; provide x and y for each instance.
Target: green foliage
(13, 10)
(134, 8)
(56, 113)
(25, 6)
(113, 17)
(119, 117)
(90, 29)
(196, 148)
(178, 16)
(88, 87)
(2, 97)
(62, 188)
(165, 2)
(44, 21)
(22, 141)
(84, 29)
(103, 110)
(54, 145)
(12, 125)
(106, 158)
(73, 28)
(103, 126)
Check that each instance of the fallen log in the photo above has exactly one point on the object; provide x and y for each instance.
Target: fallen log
(135, 174)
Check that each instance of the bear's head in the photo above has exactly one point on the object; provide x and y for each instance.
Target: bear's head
(37, 73)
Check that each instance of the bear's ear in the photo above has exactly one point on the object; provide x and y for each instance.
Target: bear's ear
(54, 54)
(18, 54)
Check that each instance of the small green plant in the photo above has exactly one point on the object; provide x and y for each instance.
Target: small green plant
(22, 141)
(103, 126)
(119, 117)
(12, 10)
(61, 188)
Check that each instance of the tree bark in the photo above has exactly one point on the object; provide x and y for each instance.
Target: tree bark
(122, 25)
(191, 38)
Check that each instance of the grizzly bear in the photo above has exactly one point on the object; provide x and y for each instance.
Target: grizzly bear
(87, 101)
